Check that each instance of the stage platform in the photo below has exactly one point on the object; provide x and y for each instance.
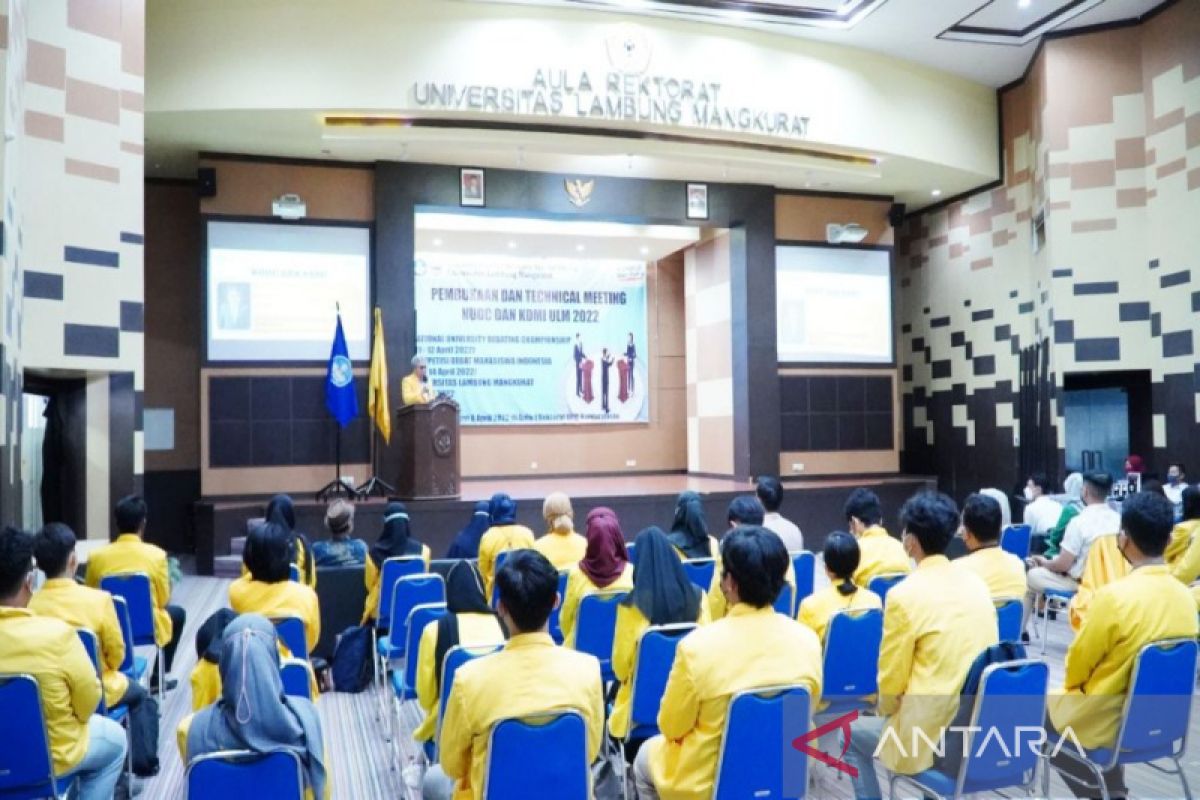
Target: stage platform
(639, 500)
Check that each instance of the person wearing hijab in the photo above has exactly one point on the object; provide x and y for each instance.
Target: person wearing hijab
(1183, 551)
(689, 530)
(267, 589)
(841, 558)
(395, 541)
(605, 567)
(504, 534)
(206, 677)
(282, 511)
(561, 545)
(662, 595)
(1005, 507)
(254, 713)
(470, 622)
(466, 543)
(1072, 504)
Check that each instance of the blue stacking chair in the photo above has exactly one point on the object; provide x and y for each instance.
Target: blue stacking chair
(501, 557)
(92, 646)
(631, 549)
(410, 591)
(26, 770)
(291, 633)
(804, 564)
(651, 668)
(1011, 703)
(455, 657)
(134, 666)
(293, 573)
(560, 769)
(1063, 596)
(700, 571)
(295, 676)
(748, 768)
(595, 628)
(556, 615)
(851, 659)
(134, 587)
(242, 773)
(1015, 539)
(882, 584)
(1008, 616)
(392, 570)
(1155, 719)
(783, 601)
(404, 684)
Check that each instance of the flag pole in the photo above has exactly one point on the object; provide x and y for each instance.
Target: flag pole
(376, 485)
(337, 486)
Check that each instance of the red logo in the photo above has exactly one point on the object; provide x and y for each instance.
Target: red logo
(841, 723)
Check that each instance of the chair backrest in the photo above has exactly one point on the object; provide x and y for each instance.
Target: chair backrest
(231, 773)
(1154, 722)
(293, 573)
(393, 570)
(412, 591)
(596, 625)
(783, 602)
(420, 616)
(998, 750)
(655, 656)
(882, 584)
(501, 557)
(804, 564)
(135, 588)
(700, 571)
(1008, 616)
(556, 615)
(25, 766)
(291, 633)
(1015, 539)
(851, 659)
(92, 645)
(560, 769)
(455, 657)
(295, 676)
(747, 768)
(126, 632)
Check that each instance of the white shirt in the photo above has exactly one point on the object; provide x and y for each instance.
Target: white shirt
(793, 540)
(1042, 514)
(1175, 493)
(1091, 523)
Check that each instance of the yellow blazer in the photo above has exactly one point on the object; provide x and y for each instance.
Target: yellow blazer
(130, 554)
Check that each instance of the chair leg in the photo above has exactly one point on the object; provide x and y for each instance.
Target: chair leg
(162, 677)
(1187, 790)
(1043, 601)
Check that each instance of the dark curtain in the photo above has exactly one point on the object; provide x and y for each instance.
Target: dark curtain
(1038, 451)
(53, 451)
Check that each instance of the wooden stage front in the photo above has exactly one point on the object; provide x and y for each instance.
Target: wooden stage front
(639, 500)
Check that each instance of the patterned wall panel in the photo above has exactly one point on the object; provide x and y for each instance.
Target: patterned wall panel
(708, 336)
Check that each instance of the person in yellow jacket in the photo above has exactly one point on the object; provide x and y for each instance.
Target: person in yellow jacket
(504, 534)
(415, 388)
(267, 590)
(935, 624)
(662, 595)
(281, 510)
(689, 529)
(1183, 553)
(83, 745)
(529, 676)
(1003, 572)
(605, 568)
(881, 554)
(92, 609)
(841, 560)
(206, 677)
(753, 646)
(128, 553)
(745, 510)
(469, 622)
(395, 541)
(1104, 565)
(1148, 605)
(560, 544)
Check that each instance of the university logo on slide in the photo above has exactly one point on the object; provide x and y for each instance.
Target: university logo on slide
(341, 371)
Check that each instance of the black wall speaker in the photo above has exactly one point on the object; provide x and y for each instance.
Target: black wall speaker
(895, 214)
(206, 181)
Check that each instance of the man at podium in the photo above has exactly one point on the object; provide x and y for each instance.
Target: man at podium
(416, 389)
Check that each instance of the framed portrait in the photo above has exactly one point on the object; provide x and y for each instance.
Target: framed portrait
(470, 187)
(697, 201)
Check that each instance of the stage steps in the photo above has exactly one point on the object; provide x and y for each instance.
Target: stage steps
(230, 566)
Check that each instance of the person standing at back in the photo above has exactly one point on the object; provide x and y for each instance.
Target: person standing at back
(560, 544)
(880, 553)
(770, 493)
(1003, 572)
(504, 534)
(1041, 511)
(1176, 483)
(128, 553)
(529, 676)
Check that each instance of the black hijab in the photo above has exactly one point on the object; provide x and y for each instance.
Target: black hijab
(281, 510)
(661, 589)
(689, 531)
(395, 539)
(212, 633)
(466, 543)
(464, 595)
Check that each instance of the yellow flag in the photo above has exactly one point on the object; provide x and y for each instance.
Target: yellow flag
(377, 392)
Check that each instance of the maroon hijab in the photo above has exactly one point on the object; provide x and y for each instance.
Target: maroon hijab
(606, 555)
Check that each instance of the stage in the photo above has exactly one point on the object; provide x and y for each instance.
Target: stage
(639, 500)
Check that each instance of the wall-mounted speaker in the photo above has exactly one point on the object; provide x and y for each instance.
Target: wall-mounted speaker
(206, 181)
(896, 215)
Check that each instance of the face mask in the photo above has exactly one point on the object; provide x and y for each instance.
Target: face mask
(1028, 493)
(1173, 479)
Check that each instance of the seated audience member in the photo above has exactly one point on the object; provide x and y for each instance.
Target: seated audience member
(1003, 572)
(1064, 570)
(341, 550)
(206, 677)
(841, 561)
(1001, 500)
(395, 541)
(1072, 504)
(605, 567)
(82, 607)
(769, 491)
(752, 647)
(529, 676)
(1105, 564)
(466, 543)
(561, 544)
(1145, 606)
(744, 511)
(83, 745)
(128, 553)
(470, 622)
(254, 713)
(504, 534)
(1176, 483)
(282, 511)
(1183, 552)
(267, 589)
(935, 624)
(880, 553)
(1041, 511)
(689, 529)
(661, 595)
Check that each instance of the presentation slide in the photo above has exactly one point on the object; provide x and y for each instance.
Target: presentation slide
(273, 290)
(833, 305)
(528, 341)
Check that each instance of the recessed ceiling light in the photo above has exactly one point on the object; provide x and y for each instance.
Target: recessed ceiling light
(936, 193)
(579, 248)
(512, 245)
(437, 242)
(1024, 3)
(644, 250)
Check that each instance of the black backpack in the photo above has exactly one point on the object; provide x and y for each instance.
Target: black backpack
(951, 762)
(353, 662)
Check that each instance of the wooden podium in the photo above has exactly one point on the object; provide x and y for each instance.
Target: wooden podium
(428, 466)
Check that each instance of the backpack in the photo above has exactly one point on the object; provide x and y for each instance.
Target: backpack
(353, 664)
(951, 762)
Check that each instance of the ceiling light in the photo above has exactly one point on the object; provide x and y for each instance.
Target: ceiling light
(512, 245)
(936, 193)
(644, 250)
(579, 248)
(1024, 3)
(437, 242)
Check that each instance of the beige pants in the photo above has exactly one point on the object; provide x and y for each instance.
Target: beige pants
(1041, 579)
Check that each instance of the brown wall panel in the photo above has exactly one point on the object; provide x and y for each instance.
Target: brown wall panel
(246, 188)
(802, 218)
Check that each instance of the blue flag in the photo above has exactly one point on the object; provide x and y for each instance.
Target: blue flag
(340, 398)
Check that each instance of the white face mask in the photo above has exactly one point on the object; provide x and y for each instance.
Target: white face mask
(1029, 493)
